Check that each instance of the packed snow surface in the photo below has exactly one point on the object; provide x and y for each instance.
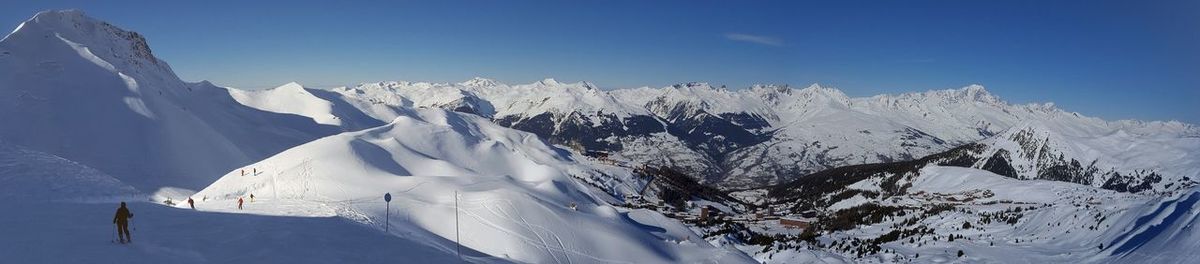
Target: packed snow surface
(31, 175)
(61, 232)
(514, 192)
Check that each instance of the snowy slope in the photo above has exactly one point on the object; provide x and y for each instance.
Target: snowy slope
(85, 90)
(1067, 222)
(81, 233)
(31, 175)
(908, 211)
(992, 218)
(291, 98)
(578, 115)
(1164, 232)
(514, 192)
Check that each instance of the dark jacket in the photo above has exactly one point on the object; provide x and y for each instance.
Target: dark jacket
(122, 216)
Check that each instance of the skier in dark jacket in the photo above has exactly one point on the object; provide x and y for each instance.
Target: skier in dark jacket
(122, 221)
(191, 203)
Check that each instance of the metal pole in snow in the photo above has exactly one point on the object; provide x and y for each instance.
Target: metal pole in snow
(457, 241)
(274, 184)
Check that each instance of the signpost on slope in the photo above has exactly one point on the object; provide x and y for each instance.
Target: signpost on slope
(387, 198)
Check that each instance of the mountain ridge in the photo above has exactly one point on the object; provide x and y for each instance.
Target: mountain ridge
(727, 134)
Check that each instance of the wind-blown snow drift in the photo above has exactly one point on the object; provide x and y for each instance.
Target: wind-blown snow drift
(515, 192)
(31, 175)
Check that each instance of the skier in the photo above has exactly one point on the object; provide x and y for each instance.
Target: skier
(121, 219)
(192, 203)
(251, 197)
(239, 203)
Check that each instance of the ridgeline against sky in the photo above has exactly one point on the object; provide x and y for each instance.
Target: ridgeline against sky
(1106, 59)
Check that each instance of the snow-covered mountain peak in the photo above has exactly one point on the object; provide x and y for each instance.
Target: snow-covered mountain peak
(1047, 106)
(970, 94)
(549, 82)
(105, 41)
(699, 96)
(830, 92)
(50, 18)
(977, 93)
(479, 82)
(975, 88)
(100, 98)
(290, 86)
(590, 86)
(778, 88)
(204, 83)
(575, 87)
(552, 96)
(697, 86)
(806, 98)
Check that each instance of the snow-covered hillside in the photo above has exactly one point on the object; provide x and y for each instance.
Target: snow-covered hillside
(1034, 202)
(1164, 232)
(55, 232)
(578, 115)
(1109, 159)
(518, 197)
(921, 212)
(31, 175)
(820, 128)
(85, 94)
(85, 90)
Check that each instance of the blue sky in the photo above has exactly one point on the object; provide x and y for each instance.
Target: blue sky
(1116, 60)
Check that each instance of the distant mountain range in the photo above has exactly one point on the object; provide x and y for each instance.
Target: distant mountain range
(732, 139)
(763, 135)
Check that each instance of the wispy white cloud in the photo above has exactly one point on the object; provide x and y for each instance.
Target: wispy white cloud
(756, 39)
